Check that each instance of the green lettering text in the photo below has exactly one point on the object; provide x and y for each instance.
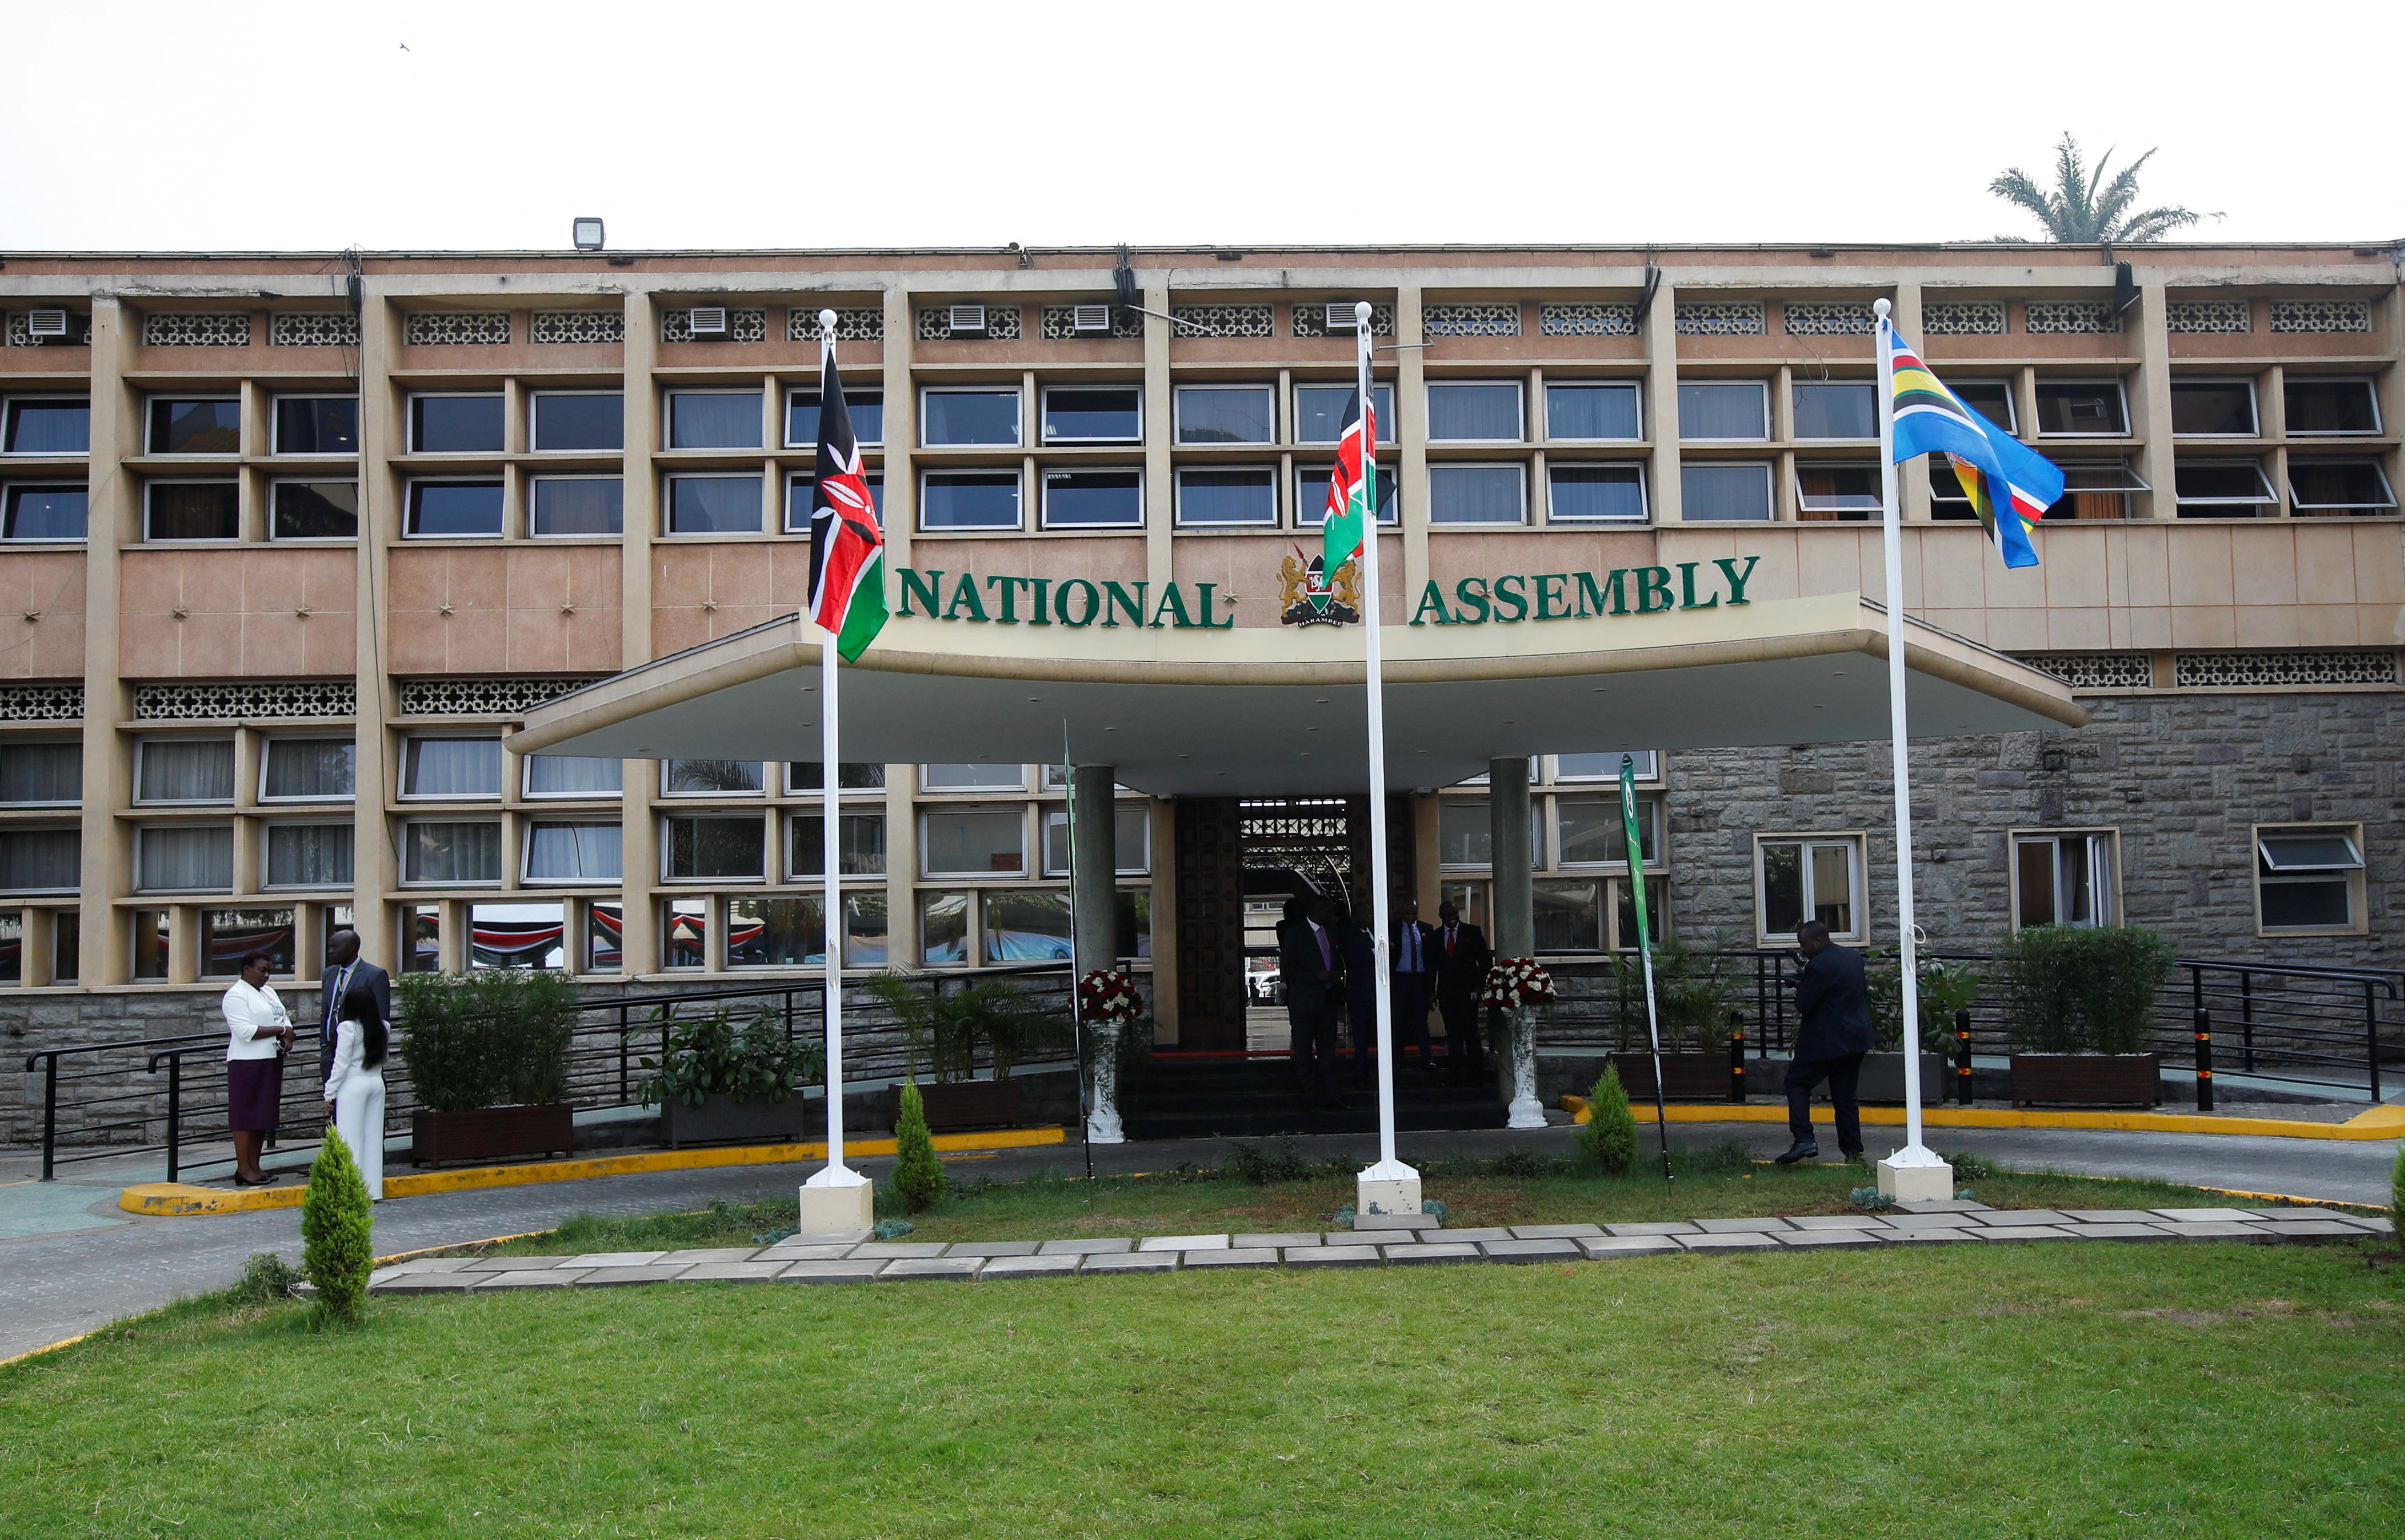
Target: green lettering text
(1007, 589)
(1471, 594)
(1736, 580)
(1173, 603)
(1512, 589)
(1687, 589)
(965, 593)
(1653, 582)
(1115, 603)
(1615, 586)
(1432, 599)
(929, 588)
(1206, 623)
(1093, 605)
(1550, 601)
(1041, 585)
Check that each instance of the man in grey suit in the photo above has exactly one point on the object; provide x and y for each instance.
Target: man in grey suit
(343, 969)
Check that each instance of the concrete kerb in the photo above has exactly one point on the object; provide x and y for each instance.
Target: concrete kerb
(2386, 1121)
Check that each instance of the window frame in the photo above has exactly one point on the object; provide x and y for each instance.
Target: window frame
(267, 883)
(1019, 415)
(528, 794)
(668, 480)
(47, 740)
(1798, 435)
(2270, 497)
(2011, 425)
(409, 530)
(1018, 475)
(757, 817)
(2253, 405)
(9, 408)
(48, 827)
(150, 402)
(403, 769)
(1178, 517)
(1045, 474)
(267, 750)
(142, 747)
(2104, 874)
(275, 426)
(668, 393)
(851, 399)
(1644, 494)
(151, 484)
(534, 420)
(1311, 513)
(9, 490)
(1635, 391)
(525, 853)
(796, 480)
(1521, 467)
(2120, 396)
(1653, 808)
(142, 830)
(1177, 438)
(1060, 811)
(2298, 506)
(1043, 413)
(2371, 388)
(534, 497)
(1762, 390)
(1857, 848)
(1389, 429)
(991, 790)
(1519, 389)
(501, 867)
(1021, 875)
(415, 425)
(2358, 921)
(1804, 510)
(276, 483)
(1770, 469)
(666, 794)
(791, 821)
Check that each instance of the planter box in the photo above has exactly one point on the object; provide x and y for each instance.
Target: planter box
(1882, 1079)
(1685, 1077)
(490, 1133)
(722, 1118)
(971, 1104)
(2087, 1080)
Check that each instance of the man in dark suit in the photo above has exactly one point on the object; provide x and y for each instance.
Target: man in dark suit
(1360, 947)
(343, 969)
(1833, 1035)
(1462, 959)
(1412, 971)
(1311, 960)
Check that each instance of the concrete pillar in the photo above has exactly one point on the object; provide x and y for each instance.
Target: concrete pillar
(1094, 859)
(1516, 900)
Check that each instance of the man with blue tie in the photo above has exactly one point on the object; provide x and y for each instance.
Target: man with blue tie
(344, 969)
(1414, 981)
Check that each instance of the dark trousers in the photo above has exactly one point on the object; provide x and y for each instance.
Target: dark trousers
(1411, 1013)
(1364, 1015)
(1314, 1043)
(1460, 1034)
(1842, 1073)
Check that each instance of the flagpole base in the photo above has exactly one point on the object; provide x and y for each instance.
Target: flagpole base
(836, 1199)
(1915, 1175)
(1388, 1189)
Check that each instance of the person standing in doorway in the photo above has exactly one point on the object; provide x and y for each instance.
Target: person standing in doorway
(1833, 1035)
(355, 1083)
(345, 971)
(260, 1035)
(1313, 965)
(1361, 989)
(1413, 981)
(1462, 959)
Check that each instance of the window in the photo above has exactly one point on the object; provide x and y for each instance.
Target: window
(1849, 493)
(713, 419)
(2214, 408)
(516, 935)
(1465, 831)
(1311, 494)
(1321, 412)
(1131, 840)
(229, 935)
(2063, 879)
(850, 776)
(2339, 486)
(1225, 415)
(578, 505)
(40, 425)
(709, 847)
(454, 507)
(1569, 917)
(59, 511)
(1990, 398)
(1221, 497)
(2096, 490)
(587, 420)
(2222, 489)
(456, 425)
(309, 855)
(1645, 765)
(1592, 412)
(1592, 832)
(2308, 879)
(575, 852)
(315, 425)
(40, 860)
(711, 777)
(972, 778)
(1808, 877)
(1027, 926)
(1711, 492)
(2092, 407)
(308, 770)
(421, 938)
(1583, 493)
(183, 770)
(859, 848)
(573, 776)
(779, 933)
(184, 857)
(453, 768)
(1479, 414)
(451, 853)
(1477, 494)
(969, 418)
(943, 927)
(800, 490)
(714, 505)
(314, 510)
(865, 408)
(41, 775)
(603, 953)
(1841, 409)
(1099, 415)
(955, 842)
(1738, 410)
(2330, 406)
(186, 426)
(969, 499)
(1091, 499)
(191, 510)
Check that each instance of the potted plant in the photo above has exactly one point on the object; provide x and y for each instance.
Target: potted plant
(1694, 990)
(944, 1025)
(2079, 999)
(1945, 987)
(714, 1082)
(488, 1056)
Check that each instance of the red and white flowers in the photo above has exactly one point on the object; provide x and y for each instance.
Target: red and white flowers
(1109, 994)
(1514, 982)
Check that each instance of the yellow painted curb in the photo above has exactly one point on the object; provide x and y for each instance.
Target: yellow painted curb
(2376, 1123)
(178, 1200)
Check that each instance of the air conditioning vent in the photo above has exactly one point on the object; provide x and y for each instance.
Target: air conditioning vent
(1340, 315)
(706, 320)
(1091, 317)
(46, 323)
(966, 318)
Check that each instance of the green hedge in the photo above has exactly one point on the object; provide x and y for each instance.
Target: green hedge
(495, 1037)
(2083, 989)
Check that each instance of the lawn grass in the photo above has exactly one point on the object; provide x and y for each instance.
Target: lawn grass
(2033, 1390)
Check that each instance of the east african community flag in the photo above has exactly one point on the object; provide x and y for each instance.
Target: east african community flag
(2010, 484)
(847, 541)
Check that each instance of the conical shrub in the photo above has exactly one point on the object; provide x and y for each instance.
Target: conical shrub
(338, 1246)
(1609, 1134)
(919, 1179)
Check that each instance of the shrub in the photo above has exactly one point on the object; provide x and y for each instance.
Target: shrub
(1693, 991)
(708, 1056)
(943, 1025)
(1261, 1165)
(1945, 987)
(2084, 990)
(338, 1251)
(2396, 1191)
(1609, 1136)
(266, 1278)
(919, 1179)
(493, 1037)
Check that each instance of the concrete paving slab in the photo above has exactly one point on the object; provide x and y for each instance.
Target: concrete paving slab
(603, 1278)
(541, 1278)
(2302, 1229)
(2133, 1231)
(1183, 1243)
(993, 1248)
(956, 1269)
(2006, 1218)
(1422, 1253)
(516, 1263)
(2213, 1229)
(1655, 1227)
(1028, 1266)
(1944, 1206)
(1605, 1248)
(2028, 1232)
(896, 1251)
(1923, 1222)
(1835, 1239)
(827, 1237)
(425, 1282)
(1086, 1248)
(1553, 1232)
(1740, 1226)
(1331, 1257)
(2374, 1223)
(1230, 1257)
(1530, 1251)
(1942, 1233)
(714, 1253)
(1469, 1234)
(1397, 1222)
(2288, 1211)
(816, 1252)
(844, 1270)
(1832, 1222)
(434, 1265)
(1275, 1239)
(1129, 1262)
(1730, 1241)
(2112, 1217)
(1357, 1238)
(616, 1259)
(2204, 1216)
(731, 1272)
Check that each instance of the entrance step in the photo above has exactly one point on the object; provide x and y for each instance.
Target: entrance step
(1249, 1099)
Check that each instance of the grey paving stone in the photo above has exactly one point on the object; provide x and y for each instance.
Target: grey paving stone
(1605, 1248)
(1278, 1238)
(2304, 1229)
(1553, 1232)
(1740, 1226)
(1397, 1222)
(714, 1253)
(827, 1237)
(2204, 1216)
(434, 1265)
(2112, 1217)
(1129, 1262)
(1086, 1248)
(1331, 1257)
(1734, 1240)
(2213, 1229)
(957, 1269)
(426, 1282)
(602, 1278)
(539, 1278)
(1943, 1232)
(1420, 1252)
(1655, 1227)
(2028, 1232)
(819, 1253)
(516, 1263)
(2134, 1230)
(1833, 1221)
(2375, 1223)
(1530, 1251)
(1028, 1266)
(1183, 1243)
(2006, 1218)
(1836, 1240)
(614, 1259)
(834, 1271)
(2288, 1211)
(1357, 1238)
(1944, 1206)
(731, 1272)
(894, 1251)
(993, 1248)
(1470, 1234)
(1229, 1256)
(1923, 1222)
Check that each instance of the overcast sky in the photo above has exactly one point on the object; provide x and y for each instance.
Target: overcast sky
(693, 123)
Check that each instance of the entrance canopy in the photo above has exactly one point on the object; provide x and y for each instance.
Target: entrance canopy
(1275, 712)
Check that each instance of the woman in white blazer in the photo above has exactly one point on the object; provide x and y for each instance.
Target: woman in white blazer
(355, 1083)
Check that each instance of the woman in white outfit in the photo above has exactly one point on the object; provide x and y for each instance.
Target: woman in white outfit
(355, 1084)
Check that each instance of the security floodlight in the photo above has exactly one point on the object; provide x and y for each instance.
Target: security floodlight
(588, 234)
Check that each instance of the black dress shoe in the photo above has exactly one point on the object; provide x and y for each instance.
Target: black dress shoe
(1801, 1152)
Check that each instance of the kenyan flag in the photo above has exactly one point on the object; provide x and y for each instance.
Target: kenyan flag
(1352, 487)
(847, 539)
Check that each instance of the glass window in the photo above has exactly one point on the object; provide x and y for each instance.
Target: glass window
(573, 775)
(713, 419)
(724, 846)
(2093, 491)
(1592, 412)
(41, 860)
(1713, 492)
(1487, 411)
(578, 505)
(1803, 879)
(456, 425)
(791, 932)
(1837, 492)
(451, 767)
(421, 938)
(1215, 497)
(1990, 398)
(1592, 832)
(969, 499)
(184, 770)
(603, 925)
(316, 425)
(943, 927)
(56, 511)
(685, 938)
(309, 855)
(1581, 491)
(860, 844)
(308, 770)
(314, 510)
(1029, 925)
(2219, 408)
(711, 777)
(35, 775)
(1569, 917)
(2081, 406)
(580, 419)
(1321, 412)
(971, 841)
(2339, 486)
(1736, 410)
(714, 505)
(866, 409)
(451, 852)
(185, 857)
(2307, 879)
(2063, 879)
(1477, 494)
(575, 852)
(1131, 840)
(969, 417)
(1094, 414)
(1623, 908)
(66, 944)
(47, 425)
(1835, 409)
(229, 935)
(1225, 415)
(802, 775)
(2332, 406)
(2221, 489)
(191, 510)
(516, 935)
(972, 778)
(189, 427)
(800, 491)
(1645, 765)
(455, 507)
(1464, 833)
(1311, 489)
(1075, 499)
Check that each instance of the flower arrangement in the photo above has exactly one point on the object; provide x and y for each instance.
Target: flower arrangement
(1109, 994)
(1514, 982)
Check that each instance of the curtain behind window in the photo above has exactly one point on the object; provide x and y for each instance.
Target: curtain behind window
(454, 852)
(309, 855)
(187, 770)
(35, 860)
(187, 858)
(454, 768)
(310, 767)
(41, 772)
(573, 776)
(575, 853)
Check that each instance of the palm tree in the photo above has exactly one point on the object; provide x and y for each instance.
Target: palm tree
(2084, 208)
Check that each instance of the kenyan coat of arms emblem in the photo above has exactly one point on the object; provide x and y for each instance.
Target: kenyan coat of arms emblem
(1310, 597)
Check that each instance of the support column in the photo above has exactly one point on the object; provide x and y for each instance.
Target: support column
(1095, 924)
(1515, 927)
(640, 949)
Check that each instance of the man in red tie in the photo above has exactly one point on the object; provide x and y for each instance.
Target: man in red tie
(1314, 971)
(1462, 959)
